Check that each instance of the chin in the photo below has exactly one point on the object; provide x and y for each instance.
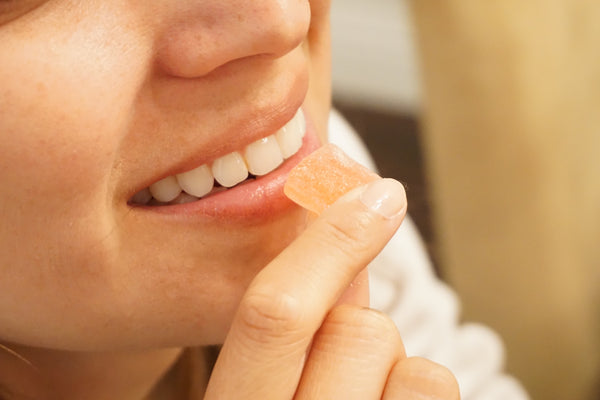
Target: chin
(185, 291)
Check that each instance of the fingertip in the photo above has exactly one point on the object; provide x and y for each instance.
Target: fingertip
(385, 197)
(359, 224)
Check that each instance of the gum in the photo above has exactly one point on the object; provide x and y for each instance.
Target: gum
(323, 177)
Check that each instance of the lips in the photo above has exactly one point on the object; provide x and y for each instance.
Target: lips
(246, 181)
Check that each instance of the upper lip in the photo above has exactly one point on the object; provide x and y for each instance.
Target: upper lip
(244, 129)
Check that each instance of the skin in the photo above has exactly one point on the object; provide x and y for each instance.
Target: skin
(97, 298)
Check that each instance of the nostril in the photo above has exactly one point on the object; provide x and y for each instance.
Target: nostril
(199, 41)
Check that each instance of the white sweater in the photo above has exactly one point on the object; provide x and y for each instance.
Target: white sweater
(426, 310)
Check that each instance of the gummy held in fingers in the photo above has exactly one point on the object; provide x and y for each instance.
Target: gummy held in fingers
(323, 177)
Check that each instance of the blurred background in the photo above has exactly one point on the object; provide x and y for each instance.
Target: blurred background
(488, 112)
(377, 88)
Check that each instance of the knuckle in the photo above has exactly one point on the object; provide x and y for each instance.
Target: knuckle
(367, 326)
(266, 317)
(349, 235)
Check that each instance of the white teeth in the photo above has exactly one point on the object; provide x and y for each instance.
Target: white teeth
(166, 189)
(230, 169)
(290, 136)
(197, 182)
(263, 156)
(260, 158)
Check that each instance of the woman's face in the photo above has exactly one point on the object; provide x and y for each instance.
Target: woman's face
(99, 100)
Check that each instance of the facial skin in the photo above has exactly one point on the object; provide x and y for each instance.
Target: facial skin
(98, 100)
(98, 296)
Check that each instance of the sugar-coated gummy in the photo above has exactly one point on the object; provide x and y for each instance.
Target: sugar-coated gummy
(323, 177)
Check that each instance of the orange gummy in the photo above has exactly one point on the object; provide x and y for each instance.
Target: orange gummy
(323, 177)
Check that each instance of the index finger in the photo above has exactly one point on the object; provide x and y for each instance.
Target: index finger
(288, 300)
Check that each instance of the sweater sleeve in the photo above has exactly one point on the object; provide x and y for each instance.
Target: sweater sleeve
(425, 309)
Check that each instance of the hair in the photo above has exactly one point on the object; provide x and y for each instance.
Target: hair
(16, 355)
(5, 392)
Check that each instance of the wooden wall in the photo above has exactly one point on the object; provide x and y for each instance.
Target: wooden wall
(512, 139)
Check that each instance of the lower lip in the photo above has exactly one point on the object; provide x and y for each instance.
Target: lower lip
(259, 198)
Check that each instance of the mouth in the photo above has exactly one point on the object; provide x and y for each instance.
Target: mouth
(259, 162)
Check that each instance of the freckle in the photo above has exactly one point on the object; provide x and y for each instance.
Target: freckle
(40, 87)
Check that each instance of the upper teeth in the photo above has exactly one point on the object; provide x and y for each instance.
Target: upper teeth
(258, 158)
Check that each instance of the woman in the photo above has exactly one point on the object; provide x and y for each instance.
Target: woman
(120, 273)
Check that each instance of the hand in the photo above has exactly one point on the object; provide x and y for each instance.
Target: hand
(291, 339)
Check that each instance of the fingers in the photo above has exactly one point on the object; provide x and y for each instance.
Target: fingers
(351, 356)
(357, 293)
(264, 352)
(420, 379)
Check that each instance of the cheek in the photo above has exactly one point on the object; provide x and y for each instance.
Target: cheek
(318, 50)
(57, 138)
(61, 122)
(67, 90)
(64, 102)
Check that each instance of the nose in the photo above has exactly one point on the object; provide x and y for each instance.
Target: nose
(199, 36)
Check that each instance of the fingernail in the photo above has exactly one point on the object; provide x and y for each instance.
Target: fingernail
(385, 196)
